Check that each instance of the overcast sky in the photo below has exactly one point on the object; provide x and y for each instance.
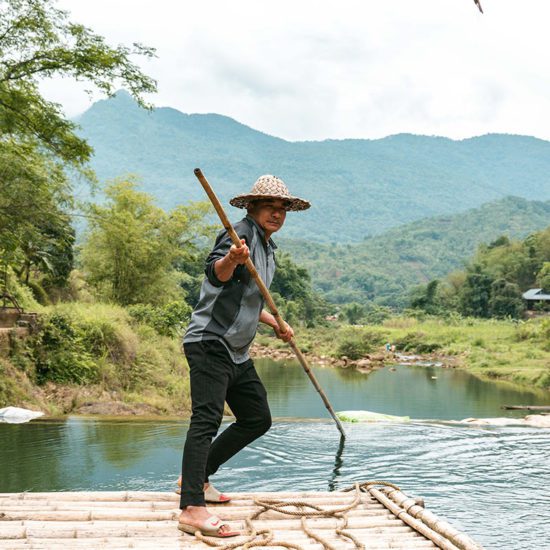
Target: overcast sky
(311, 70)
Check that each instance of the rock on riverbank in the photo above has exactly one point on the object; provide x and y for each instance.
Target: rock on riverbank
(365, 364)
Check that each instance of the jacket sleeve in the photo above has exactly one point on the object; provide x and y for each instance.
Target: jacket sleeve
(221, 248)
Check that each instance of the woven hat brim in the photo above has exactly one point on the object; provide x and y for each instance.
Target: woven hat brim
(295, 204)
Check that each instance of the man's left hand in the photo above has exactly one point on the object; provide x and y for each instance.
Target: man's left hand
(284, 336)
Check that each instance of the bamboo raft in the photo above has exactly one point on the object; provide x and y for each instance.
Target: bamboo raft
(367, 516)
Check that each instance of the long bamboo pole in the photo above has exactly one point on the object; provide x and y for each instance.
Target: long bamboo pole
(266, 294)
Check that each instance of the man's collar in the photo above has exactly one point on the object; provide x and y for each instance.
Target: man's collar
(260, 231)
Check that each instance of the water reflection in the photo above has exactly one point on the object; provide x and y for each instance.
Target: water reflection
(418, 392)
(26, 457)
(337, 464)
(476, 476)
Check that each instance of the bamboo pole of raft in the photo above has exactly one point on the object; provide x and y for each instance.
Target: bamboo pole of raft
(266, 294)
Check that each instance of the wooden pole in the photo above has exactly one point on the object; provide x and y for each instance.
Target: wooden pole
(266, 294)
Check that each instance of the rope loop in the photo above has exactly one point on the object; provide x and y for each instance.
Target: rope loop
(303, 510)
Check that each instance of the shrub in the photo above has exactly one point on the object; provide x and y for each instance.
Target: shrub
(39, 294)
(360, 343)
(416, 341)
(544, 380)
(61, 354)
(21, 292)
(168, 320)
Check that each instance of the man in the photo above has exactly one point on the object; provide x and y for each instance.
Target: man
(216, 344)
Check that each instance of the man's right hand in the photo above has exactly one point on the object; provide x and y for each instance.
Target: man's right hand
(239, 255)
(225, 266)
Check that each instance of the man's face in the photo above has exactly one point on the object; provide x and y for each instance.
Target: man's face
(270, 214)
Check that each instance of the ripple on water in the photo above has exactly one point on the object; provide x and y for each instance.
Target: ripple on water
(492, 483)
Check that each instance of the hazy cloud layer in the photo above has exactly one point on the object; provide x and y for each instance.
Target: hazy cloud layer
(319, 69)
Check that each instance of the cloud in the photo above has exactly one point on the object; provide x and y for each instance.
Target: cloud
(314, 70)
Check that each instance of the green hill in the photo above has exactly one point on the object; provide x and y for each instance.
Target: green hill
(358, 188)
(384, 268)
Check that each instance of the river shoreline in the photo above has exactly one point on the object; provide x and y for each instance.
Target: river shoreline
(365, 364)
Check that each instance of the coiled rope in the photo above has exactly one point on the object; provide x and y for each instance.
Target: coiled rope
(297, 508)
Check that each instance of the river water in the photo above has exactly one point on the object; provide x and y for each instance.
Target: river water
(491, 482)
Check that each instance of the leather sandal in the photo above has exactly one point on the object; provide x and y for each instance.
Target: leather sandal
(213, 496)
(209, 528)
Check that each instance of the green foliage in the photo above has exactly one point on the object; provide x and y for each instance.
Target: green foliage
(35, 231)
(375, 314)
(499, 274)
(101, 345)
(354, 312)
(95, 353)
(417, 342)
(168, 320)
(293, 295)
(493, 281)
(38, 41)
(426, 298)
(14, 385)
(38, 293)
(61, 354)
(357, 344)
(358, 188)
(475, 293)
(37, 142)
(18, 290)
(388, 269)
(505, 300)
(133, 246)
(543, 277)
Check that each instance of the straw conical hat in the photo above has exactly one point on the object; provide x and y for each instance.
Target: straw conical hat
(270, 187)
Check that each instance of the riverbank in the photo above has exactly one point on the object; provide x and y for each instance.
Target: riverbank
(518, 352)
(139, 372)
(93, 358)
(364, 364)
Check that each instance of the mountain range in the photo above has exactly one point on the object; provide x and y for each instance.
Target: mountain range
(384, 268)
(358, 188)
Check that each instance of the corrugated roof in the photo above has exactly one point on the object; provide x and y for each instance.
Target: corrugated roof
(536, 294)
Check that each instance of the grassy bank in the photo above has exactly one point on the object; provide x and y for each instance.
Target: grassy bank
(497, 349)
(96, 358)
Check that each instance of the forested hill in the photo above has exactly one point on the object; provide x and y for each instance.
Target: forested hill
(358, 187)
(386, 267)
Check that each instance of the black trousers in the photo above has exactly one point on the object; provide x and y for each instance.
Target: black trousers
(216, 379)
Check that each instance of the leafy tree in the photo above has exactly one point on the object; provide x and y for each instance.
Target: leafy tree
(426, 299)
(37, 141)
(354, 312)
(475, 293)
(132, 246)
(168, 320)
(505, 300)
(35, 231)
(503, 240)
(38, 41)
(543, 277)
(291, 288)
(291, 281)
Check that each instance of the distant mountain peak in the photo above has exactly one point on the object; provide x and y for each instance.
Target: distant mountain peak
(123, 95)
(363, 187)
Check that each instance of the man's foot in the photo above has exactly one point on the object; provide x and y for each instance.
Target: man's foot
(198, 518)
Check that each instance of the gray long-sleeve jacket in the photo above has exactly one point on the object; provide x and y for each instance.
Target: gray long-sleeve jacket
(229, 311)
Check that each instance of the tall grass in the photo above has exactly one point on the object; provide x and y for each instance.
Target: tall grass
(100, 352)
